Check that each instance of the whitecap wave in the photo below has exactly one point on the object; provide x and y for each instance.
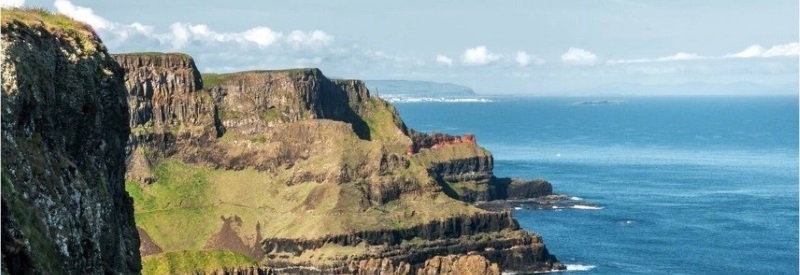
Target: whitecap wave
(517, 208)
(579, 267)
(576, 198)
(586, 207)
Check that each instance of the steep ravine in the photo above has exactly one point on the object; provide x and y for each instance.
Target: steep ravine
(64, 129)
(296, 173)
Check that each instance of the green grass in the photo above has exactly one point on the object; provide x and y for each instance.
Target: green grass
(462, 188)
(427, 157)
(186, 262)
(51, 21)
(383, 120)
(181, 192)
(66, 28)
(178, 185)
(182, 209)
(214, 79)
(270, 115)
(156, 54)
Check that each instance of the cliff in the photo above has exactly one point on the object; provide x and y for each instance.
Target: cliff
(464, 170)
(301, 174)
(64, 129)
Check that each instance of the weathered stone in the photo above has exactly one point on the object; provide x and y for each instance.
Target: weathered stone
(64, 129)
(282, 122)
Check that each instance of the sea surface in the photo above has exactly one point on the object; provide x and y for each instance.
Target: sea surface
(685, 185)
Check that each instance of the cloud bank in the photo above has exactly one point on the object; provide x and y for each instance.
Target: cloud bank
(579, 57)
(180, 35)
(524, 59)
(754, 51)
(790, 49)
(478, 56)
(441, 59)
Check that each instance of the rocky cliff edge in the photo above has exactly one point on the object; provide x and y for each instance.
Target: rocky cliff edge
(64, 130)
(294, 172)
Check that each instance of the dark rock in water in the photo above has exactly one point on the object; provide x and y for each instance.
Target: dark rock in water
(64, 129)
(515, 189)
(599, 102)
(548, 202)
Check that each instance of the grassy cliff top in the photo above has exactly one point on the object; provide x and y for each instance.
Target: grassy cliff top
(154, 54)
(53, 22)
(213, 79)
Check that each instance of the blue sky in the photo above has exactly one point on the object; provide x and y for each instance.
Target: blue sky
(524, 47)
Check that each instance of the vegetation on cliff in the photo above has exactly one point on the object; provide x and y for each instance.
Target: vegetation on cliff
(64, 207)
(293, 170)
(281, 169)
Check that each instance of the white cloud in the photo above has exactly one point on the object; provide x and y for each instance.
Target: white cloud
(478, 56)
(524, 59)
(82, 14)
(12, 3)
(262, 36)
(182, 34)
(140, 28)
(679, 57)
(790, 49)
(577, 56)
(754, 51)
(441, 59)
(315, 38)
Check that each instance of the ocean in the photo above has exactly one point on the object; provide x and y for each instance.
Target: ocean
(685, 185)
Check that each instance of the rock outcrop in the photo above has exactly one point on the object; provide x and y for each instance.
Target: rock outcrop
(304, 174)
(465, 170)
(64, 130)
(458, 265)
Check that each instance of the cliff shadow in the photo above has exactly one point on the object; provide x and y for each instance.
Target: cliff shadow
(336, 105)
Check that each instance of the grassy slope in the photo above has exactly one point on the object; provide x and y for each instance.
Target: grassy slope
(196, 204)
(58, 24)
(52, 21)
(185, 262)
(183, 208)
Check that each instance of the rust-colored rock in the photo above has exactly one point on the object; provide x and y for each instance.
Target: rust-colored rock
(459, 265)
(438, 140)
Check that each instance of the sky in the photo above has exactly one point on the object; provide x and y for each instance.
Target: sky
(498, 47)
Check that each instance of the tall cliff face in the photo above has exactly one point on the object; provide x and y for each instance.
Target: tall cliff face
(305, 174)
(167, 108)
(163, 94)
(253, 102)
(64, 129)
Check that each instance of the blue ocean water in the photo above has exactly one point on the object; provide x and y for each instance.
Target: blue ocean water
(687, 185)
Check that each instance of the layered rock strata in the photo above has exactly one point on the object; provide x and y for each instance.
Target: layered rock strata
(64, 130)
(303, 174)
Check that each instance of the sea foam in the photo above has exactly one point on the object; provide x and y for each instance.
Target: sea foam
(586, 207)
(579, 267)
